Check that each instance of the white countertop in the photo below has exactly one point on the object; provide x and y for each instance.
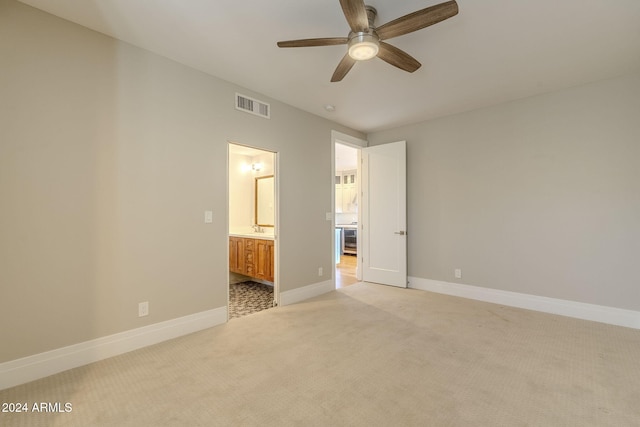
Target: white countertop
(268, 233)
(263, 236)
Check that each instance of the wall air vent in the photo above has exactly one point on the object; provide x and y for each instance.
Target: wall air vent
(253, 106)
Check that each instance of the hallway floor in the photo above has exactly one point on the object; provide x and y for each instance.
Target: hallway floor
(346, 271)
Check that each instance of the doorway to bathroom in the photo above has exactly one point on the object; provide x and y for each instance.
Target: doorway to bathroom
(252, 230)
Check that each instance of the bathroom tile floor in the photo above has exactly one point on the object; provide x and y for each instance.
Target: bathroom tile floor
(249, 297)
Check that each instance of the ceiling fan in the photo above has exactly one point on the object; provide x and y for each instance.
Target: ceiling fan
(365, 40)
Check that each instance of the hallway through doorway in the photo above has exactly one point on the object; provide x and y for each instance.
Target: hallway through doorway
(346, 271)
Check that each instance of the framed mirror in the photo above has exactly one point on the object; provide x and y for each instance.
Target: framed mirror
(265, 201)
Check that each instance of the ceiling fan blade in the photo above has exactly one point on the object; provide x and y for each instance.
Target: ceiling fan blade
(328, 41)
(356, 15)
(398, 58)
(343, 68)
(418, 20)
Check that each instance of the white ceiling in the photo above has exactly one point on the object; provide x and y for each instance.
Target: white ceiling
(243, 150)
(491, 52)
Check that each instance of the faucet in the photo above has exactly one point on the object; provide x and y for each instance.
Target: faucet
(257, 228)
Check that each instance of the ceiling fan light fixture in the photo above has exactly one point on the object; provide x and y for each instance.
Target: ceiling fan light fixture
(364, 39)
(363, 46)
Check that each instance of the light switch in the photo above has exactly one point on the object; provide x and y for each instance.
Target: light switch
(329, 216)
(208, 217)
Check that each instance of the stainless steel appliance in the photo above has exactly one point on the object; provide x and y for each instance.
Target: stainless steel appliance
(350, 240)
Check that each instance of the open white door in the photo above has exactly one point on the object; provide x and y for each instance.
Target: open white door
(384, 214)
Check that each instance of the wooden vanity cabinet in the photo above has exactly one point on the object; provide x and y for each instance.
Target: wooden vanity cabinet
(263, 259)
(252, 257)
(236, 255)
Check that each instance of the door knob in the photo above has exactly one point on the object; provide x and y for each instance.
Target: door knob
(402, 233)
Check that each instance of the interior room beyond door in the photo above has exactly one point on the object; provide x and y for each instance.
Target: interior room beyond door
(252, 230)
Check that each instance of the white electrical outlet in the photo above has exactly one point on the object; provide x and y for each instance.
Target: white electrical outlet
(458, 273)
(143, 309)
(319, 271)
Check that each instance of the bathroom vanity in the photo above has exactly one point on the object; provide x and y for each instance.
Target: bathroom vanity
(253, 257)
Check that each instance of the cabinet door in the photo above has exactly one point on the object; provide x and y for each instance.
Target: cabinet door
(338, 205)
(349, 177)
(263, 260)
(271, 261)
(349, 192)
(236, 255)
(265, 257)
(349, 200)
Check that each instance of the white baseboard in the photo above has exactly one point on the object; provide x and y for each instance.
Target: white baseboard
(41, 365)
(579, 310)
(296, 295)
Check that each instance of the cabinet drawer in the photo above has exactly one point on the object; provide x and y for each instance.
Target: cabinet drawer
(248, 258)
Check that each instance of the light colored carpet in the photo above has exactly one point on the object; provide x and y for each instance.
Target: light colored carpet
(365, 355)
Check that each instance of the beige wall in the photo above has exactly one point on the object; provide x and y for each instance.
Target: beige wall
(242, 184)
(539, 196)
(109, 156)
(240, 192)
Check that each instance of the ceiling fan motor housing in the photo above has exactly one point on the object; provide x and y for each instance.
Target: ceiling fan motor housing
(364, 45)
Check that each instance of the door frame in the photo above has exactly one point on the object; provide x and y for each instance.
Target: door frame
(276, 228)
(357, 143)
